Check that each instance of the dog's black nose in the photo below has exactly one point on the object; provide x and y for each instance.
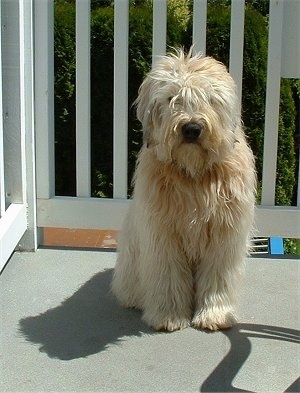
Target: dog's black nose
(191, 131)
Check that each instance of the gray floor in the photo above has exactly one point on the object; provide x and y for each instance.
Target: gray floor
(61, 331)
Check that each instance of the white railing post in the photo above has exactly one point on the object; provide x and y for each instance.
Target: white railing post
(237, 44)
(120, 122)
(44, 97)
(2, 184)
(29, 240)
(83, 99)
(159, 29)
(14, 139)
(199, 26)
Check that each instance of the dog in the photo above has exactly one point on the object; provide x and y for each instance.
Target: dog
(186, 235)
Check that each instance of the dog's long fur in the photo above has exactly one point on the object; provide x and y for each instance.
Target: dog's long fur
(185, 237)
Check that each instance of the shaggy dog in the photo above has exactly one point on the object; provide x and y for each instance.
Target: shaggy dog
(186, 233)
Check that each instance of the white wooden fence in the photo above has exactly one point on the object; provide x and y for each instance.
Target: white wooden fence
(23, 119)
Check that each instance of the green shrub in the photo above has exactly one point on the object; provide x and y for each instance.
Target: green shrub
(254, 82)
(286, 151)
(102, 57)
(64, 103)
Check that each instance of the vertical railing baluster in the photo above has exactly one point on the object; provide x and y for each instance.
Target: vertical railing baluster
(159, 28)
(14, 167)
(237, 44)
(44, 97)
(83, 99)
(199, 25)
(29, 240)
(120, 124)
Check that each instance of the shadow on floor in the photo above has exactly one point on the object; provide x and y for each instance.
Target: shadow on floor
(220, 380)
(84, 324)
(91, 320)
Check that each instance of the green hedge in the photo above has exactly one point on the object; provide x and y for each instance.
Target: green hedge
(64, 104)
(140, 48)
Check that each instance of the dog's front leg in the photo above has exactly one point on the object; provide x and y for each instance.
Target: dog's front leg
(216, 284)
(168, 289)
(126, 279)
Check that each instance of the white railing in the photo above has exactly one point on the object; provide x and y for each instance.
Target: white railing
(85, 212)
(16, 132)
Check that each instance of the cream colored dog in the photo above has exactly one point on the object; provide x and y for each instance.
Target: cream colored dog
(186, 234)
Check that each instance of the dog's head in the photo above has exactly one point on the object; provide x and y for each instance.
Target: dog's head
(189, 111)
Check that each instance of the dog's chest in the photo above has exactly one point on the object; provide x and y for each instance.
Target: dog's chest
(185, 208)
(190, 211)
(192, 204)
(192, 230)
(195, 213)
(192, 220)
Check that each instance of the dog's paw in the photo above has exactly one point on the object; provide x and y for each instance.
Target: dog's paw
(167, 324)
(214, 320)
(171, 325)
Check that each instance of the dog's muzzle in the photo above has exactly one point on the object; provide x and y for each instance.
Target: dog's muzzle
(191, 132)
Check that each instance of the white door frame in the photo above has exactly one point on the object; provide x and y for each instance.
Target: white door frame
(17, 158)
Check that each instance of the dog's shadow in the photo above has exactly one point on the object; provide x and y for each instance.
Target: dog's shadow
(84, 324)
(222, 377)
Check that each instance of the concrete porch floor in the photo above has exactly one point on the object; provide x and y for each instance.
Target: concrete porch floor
(62, 331)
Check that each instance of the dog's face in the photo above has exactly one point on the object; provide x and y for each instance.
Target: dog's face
(189, 111)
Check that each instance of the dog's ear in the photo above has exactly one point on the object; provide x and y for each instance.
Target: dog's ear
(144, 111)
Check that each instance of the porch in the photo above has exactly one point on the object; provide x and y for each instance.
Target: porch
(60, 328)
